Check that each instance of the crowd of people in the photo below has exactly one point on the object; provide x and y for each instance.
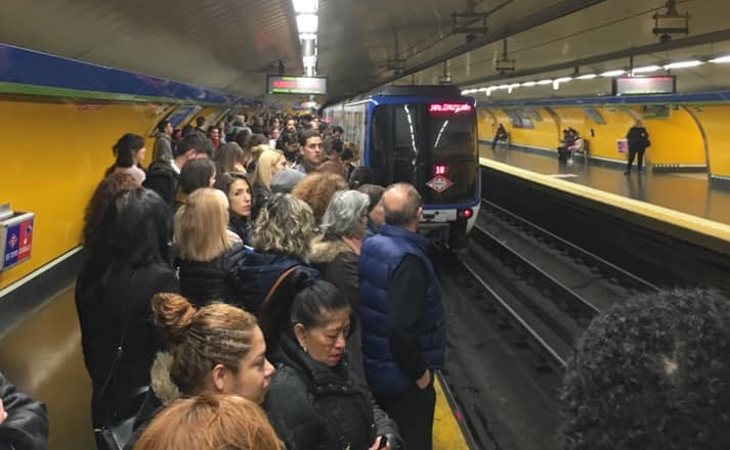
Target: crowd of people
(247, 296)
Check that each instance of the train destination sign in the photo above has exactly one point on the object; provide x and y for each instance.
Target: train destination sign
(276, 84)
(664, 84)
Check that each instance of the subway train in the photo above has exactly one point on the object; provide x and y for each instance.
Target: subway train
(426, 136)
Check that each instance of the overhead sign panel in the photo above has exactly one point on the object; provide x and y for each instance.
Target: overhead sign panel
(296, 85)
(665, 84)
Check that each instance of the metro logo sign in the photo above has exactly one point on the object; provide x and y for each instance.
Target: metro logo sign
(449, 108)
(296, 85)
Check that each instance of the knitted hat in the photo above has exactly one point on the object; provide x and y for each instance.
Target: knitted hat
(284, 181)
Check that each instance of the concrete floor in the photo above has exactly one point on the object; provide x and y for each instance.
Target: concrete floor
(43, 357)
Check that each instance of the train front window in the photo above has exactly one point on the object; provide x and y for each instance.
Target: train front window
(432, 146)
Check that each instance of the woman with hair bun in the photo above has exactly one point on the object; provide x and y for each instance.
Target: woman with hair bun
(210, 422)
(129, 152)
(217, 349)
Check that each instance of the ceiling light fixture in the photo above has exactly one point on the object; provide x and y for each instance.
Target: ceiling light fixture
(305, 6)
(307, 23)
(544, 82)
(683, 64)
(529, 83)
(646, 69)
(588, 76)
(721, 60)
(613, 73)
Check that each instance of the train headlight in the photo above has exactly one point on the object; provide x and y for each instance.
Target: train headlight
(466, 213)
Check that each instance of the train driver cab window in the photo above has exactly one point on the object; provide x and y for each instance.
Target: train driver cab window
(405, 144)
(379, 142)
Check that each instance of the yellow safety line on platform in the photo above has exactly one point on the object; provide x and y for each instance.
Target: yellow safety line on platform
(446, 431)
(699, 225)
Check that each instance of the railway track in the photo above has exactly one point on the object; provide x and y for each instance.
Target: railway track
(535, 293)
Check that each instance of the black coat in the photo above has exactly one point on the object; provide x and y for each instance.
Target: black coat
(26, 427)
(103, 300)
(315, 407)
(258, 272)
(242, 228)
(637, 138)
(163, 179)
(338, 264)
(203, 282)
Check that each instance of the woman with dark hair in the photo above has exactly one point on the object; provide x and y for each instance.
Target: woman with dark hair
(195, 174)
(316, 400)
(229, 158)
(104, 195)
(336, 253)
(129, 152)
(113, 291)
(240, 204)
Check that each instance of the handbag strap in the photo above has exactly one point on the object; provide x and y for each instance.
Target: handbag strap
(278, 282)
(109, 382)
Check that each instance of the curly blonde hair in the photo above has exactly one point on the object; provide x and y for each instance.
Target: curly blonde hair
(284, 225)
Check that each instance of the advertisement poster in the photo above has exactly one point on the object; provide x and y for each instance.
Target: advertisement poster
(622, 146)
(18, 243)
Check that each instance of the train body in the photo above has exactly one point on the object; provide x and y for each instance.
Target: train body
(426, 136)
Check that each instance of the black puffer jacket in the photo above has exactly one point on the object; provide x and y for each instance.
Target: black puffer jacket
(315, 407)
(26, 427)
(202, 282)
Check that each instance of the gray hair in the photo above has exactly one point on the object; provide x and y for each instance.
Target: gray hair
(408, 210)
(284, 225)
(343, 214)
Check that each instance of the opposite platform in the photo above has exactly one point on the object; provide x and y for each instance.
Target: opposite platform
(678, 205)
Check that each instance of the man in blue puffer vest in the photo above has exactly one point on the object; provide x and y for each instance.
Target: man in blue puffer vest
(403, 336)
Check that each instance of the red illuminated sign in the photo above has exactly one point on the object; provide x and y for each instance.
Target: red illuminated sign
(296, 85)
(449, 108)
(440, 169)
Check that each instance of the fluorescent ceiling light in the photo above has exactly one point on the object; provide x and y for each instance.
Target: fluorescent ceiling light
(544, 82)
(563, 79)
(721, 60)
(503, 86)
(514, 85)
(613, 73)
(307, 36)
(529, 83)
(646, 69)
(309, 61)
(588, 76)
(683, 64)
(305, 6)
(307, 23)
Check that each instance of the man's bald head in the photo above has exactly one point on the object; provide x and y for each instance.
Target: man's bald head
(402, 205)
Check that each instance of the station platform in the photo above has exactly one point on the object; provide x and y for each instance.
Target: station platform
(686, 203)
